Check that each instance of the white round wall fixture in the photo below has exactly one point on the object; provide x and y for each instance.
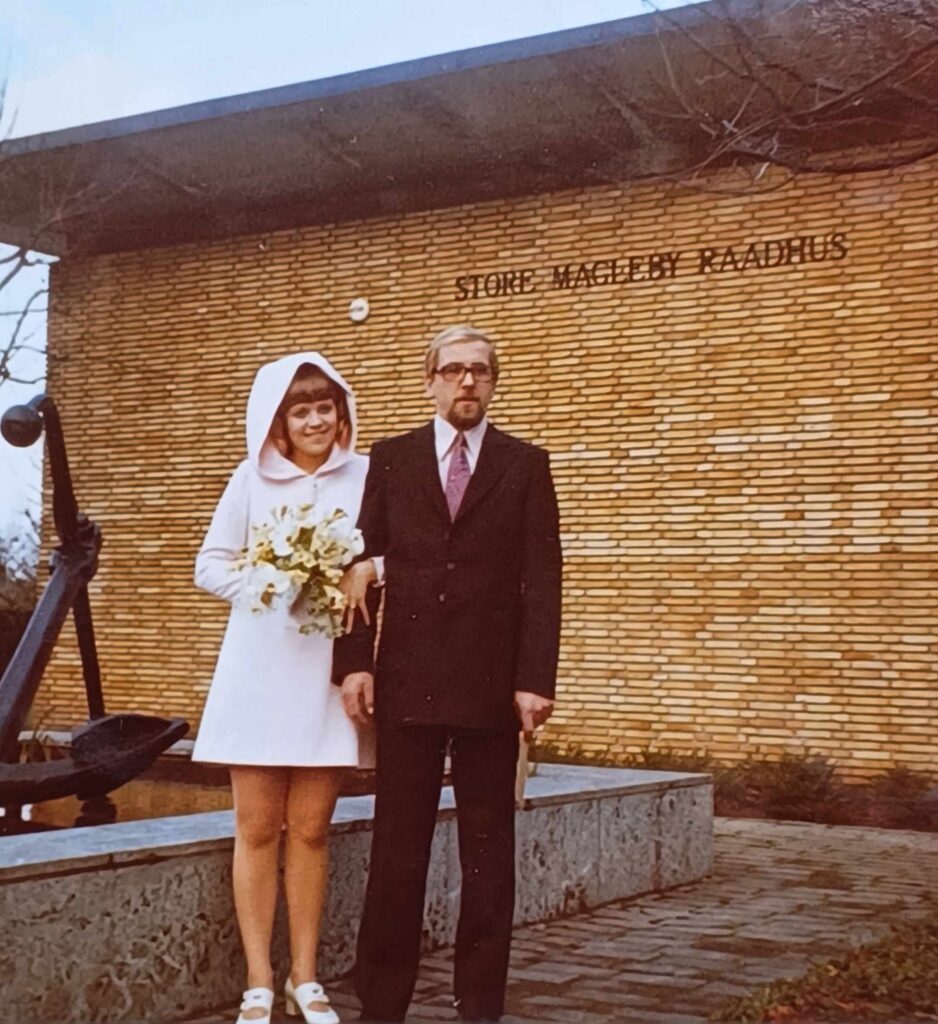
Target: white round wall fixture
(358, 310)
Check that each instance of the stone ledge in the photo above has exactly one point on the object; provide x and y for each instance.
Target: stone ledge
(101, 847)
(135, 921)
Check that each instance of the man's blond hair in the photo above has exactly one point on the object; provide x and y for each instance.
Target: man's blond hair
(449, 336)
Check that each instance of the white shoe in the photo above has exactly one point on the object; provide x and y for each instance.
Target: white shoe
(256, 999)
(299, 998)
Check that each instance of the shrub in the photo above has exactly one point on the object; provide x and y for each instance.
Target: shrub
(799, 787)
(904, 798)
(796, 787)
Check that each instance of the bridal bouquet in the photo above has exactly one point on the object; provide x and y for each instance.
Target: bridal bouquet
(295, 560)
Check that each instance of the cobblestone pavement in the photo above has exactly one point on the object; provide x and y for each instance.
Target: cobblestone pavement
(780, 895)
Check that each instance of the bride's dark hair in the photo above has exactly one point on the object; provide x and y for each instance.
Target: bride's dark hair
(310, 384)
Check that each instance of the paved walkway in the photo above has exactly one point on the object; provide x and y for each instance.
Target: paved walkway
(780, 895)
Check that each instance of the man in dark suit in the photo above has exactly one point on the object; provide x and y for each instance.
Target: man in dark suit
(464, 520)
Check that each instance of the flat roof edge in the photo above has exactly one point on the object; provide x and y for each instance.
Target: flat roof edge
(401, 72)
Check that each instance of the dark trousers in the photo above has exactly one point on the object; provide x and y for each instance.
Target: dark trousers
(409, 777)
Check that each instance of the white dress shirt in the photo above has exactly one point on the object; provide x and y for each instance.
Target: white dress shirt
(444, 434)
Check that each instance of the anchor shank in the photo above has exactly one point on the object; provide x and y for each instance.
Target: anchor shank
(64, 505)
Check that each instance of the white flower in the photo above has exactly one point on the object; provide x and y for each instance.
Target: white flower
(267, 584)
(344, 532)
(282, 536)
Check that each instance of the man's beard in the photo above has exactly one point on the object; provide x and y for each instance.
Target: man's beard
(465, 415)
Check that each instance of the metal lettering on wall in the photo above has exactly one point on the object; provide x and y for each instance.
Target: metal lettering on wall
(655, 266)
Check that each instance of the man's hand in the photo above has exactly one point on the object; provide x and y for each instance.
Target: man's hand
(354, 586)
(358, 696)
(533, 710)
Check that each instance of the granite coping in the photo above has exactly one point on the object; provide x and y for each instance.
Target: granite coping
(93, 848)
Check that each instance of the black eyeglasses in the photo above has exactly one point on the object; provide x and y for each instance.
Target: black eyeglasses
(453, 372)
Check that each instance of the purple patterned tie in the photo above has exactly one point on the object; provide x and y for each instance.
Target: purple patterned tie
(457, 479)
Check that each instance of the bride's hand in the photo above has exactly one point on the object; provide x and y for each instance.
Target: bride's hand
(354, 585)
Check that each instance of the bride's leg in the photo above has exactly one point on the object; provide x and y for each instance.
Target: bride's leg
(310, 803)
(260, 796)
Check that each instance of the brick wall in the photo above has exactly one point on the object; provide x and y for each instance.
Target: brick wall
(745, 455)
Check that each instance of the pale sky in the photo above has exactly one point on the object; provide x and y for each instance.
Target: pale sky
(71, 62)
(76, 61)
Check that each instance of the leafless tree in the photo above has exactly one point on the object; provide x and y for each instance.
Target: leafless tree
(824, 86)
(20, 326)
(18, 550)
(23, 306)
(59, 201)
(22, 303)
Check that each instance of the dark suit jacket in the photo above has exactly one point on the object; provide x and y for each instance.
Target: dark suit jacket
(471, 607)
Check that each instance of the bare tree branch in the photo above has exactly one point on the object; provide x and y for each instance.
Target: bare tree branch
(808, 86)
(12, 345)
(22, 322)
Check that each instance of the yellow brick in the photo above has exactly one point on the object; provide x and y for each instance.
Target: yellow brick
(745, 462)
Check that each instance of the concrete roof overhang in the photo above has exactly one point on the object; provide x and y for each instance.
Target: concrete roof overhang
(508, 119)
(515, 118)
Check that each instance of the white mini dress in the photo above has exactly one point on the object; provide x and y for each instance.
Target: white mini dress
(272, 701)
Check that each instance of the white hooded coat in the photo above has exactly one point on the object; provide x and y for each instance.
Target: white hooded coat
(272, 701)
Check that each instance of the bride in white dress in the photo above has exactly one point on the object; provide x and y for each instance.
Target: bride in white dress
(272, 713)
